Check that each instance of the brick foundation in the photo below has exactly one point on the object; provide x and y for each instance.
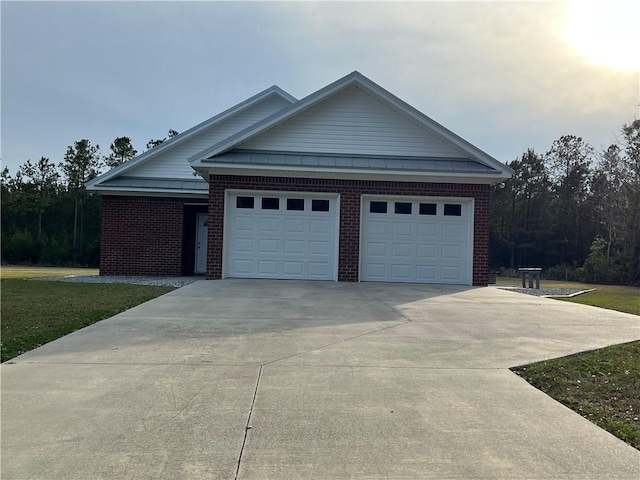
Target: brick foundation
(142, 235)
(350, 192)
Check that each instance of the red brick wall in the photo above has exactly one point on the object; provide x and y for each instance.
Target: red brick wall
(142, 235)
(350, 192)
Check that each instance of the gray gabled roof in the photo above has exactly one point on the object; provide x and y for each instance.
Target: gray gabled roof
(226, 154)
(186, 135)
(206, 157)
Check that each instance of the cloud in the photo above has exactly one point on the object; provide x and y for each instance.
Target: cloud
(498, 53)
(500, 74)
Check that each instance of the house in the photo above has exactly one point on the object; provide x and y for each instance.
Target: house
(348, 184)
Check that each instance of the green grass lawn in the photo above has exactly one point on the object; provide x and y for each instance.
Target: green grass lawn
(614, 297)
(36, 312)
(601, 385)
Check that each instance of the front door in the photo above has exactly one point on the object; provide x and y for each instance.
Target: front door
(201, 243)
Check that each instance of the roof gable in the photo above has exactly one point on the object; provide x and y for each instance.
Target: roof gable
(352, 122)
(172, 163)
(169, 159)
(300, 128)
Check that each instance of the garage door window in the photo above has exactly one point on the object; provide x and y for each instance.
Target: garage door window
(403, 208)
(428, 208)
(270, 203)
(452, 210)
(295, 204)
(320, 205)
(244, 202)
(378, 207)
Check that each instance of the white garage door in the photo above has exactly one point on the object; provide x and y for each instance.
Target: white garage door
(288, 236)
(426, 240)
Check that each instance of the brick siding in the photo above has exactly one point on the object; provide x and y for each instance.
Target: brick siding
(142, 235)
(350, 192)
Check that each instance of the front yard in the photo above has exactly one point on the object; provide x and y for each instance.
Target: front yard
(36, 312)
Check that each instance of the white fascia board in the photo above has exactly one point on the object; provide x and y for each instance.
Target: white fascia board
(377, 91)
(351, 174)
(187, 134)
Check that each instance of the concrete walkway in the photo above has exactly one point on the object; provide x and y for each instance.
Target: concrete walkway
(261, 380)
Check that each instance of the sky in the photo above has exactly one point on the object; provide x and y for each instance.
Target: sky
(506, 76)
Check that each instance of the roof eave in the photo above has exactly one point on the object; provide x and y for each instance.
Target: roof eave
(350, 173)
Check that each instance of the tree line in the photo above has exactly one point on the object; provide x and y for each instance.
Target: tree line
(47, 215)
(573, 210)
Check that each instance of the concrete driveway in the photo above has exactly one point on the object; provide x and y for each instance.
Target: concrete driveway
(255, 379)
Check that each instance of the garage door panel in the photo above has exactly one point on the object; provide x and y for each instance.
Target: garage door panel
(244, 224)
(377, 271)
(269, 225)
(294, 225)
(452, 230)
(244, 266)
(274, 240)
(293, 246)
(318, 270)
(401, 273)
(404, 229)
(451, 273)
(423, 246)
(403, 250)
(267, 246)
(426, 274)
(452, 252)
(378, 227)
(244, 245)
(428, 229)
(376, 249)
(266, 267)
(427, 252)
(323, 227)
(294, 268)
(319, 248)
